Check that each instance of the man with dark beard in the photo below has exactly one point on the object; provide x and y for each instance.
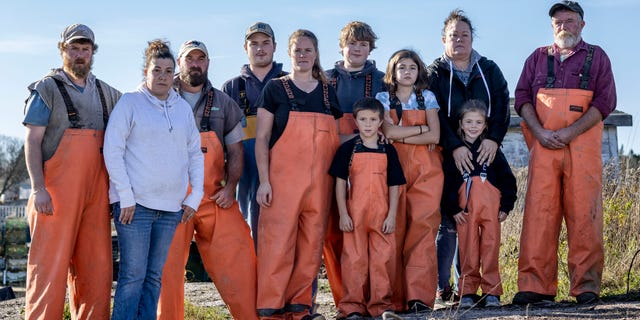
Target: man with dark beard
(221, 233)
(564, 92)
(66, 115)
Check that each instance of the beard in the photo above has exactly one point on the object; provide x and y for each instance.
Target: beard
(194, 76)
(79, 68)
(567, 40)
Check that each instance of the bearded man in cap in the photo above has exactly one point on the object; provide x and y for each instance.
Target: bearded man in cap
(565, 92)
(221, 233)
(68, 209)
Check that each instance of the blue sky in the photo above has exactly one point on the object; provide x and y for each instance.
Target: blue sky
(506, 32)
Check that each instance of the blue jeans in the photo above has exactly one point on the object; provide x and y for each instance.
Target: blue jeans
(144, 245)
(248, 187)
(447, 249)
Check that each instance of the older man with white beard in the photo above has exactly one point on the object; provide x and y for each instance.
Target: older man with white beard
(564, 93)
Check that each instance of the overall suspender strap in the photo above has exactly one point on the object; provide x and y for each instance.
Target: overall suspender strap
(395, 104)
(551, 76)
(242, 95)
(103, 101)
(420, 100)
(72, 112)
(325, 97)
(467, 179)
(356, 145)
(206, 114)
(333, 80)
(368, 81)
(292, 99)
(483, 172)
(584, 77)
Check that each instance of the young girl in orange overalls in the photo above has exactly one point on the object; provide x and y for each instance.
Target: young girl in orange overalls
(478, 201)
(411, 121)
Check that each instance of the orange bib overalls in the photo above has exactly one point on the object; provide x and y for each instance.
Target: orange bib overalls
(291, 231)
(72, 246)
(418, 217)
(368, 255)
(224, 242)
(479, 238)
(563, 184)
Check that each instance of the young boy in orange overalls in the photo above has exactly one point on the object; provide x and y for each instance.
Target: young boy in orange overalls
(368, 175)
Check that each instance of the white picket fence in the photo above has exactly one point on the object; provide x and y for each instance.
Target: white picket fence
(13, 211)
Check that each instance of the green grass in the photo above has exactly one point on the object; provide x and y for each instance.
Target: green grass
(193, 312)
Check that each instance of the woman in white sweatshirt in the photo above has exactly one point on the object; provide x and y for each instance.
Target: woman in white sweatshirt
(152, 153)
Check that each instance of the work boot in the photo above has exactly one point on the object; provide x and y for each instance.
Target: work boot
(492, 301)
(355, 316)
(390, 315)
(466, 302)
(417, 306)
(528, 297)
(587, 298)
(315, 316)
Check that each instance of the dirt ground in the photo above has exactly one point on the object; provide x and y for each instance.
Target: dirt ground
(617, 307)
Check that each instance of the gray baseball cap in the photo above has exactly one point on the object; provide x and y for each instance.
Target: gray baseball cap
(259, 27)
(76, 32)
(191, 45)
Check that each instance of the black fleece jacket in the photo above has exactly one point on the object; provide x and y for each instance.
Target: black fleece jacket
(438, 73)
(498, 174)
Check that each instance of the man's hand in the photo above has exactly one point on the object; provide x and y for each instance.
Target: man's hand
(187, 213)
(42, 202)
(549, 139)
(502, 216)
(126, 214)
(225, 197)
(461, 217)
(389, 225)
(264, 195)
(565, 135)
(346, 224)
(462, 156)
(487, 151)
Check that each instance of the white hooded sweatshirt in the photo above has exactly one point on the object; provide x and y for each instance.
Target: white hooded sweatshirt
(152, 152)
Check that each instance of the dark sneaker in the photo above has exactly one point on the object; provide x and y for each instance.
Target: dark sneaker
(492, 301)
(417, 306)
(587, 298)
(355, 316)
(527, 297)
(447, 295)
(315, 316)
(390, 315)
(466, 302)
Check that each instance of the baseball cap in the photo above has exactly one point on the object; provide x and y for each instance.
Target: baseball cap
(567, 5)
(191, 45)
(76, 32)
(260, 27)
